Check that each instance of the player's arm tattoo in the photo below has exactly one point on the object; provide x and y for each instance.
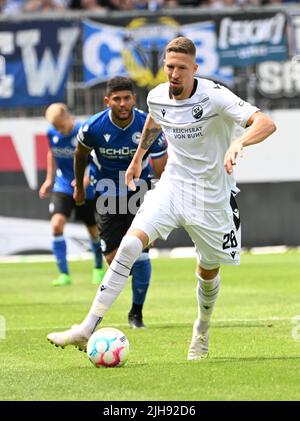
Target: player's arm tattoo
(149, 136)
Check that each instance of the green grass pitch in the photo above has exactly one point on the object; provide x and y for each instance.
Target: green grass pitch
(253, 355)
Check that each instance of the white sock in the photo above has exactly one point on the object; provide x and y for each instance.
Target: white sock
(207, 292)
(113, 282)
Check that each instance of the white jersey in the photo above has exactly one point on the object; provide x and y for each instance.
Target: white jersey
(199, 131)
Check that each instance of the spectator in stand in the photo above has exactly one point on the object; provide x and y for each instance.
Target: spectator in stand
(11, 7)
(191, 3)
(121, 4)
(152, 5)
(91, 5)
(104, 4)
(45, 6)
(170, 3)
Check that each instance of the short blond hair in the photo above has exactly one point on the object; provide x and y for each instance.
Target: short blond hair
(181, 45)
(55, 111)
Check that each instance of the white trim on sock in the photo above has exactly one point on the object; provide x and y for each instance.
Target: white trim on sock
(58, 238)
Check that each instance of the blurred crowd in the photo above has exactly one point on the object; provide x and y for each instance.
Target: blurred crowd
(11, 7)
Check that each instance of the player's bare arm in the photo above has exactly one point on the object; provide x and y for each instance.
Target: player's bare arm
(159, 165)
(80, 163)
(47, 185)
(150, 132)
(260, 127)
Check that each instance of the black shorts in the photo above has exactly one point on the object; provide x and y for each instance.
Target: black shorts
(64, 204)
(113, 227)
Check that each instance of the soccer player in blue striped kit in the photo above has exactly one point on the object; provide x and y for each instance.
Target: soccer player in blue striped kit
(60, 182)
(113, 137)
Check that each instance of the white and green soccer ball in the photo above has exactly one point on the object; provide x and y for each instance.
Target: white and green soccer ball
(108, 347)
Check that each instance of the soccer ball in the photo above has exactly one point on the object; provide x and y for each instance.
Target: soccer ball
(108, 347)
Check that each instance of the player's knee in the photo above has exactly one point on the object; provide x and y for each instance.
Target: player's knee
(110, 256)
(207, 274)
(130, 247)
(93, 231)
(58, 228)
(57, 224)
(139, 234)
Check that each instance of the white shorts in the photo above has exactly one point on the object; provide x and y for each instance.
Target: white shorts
(215, 233)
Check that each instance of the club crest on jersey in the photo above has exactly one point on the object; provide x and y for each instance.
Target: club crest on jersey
(197, 112)
(136, 137)
(55, 139)
(163, 111)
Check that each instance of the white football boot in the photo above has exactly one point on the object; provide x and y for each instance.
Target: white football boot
(199, 345)
(74, 336)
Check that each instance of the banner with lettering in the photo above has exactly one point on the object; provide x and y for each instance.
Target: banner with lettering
(251, 39)
(136, 50)
(280, 81)
(35, 58)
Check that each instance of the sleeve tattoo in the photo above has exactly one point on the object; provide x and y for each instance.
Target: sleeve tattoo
(148, 137)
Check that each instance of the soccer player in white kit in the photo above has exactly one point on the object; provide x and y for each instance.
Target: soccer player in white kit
(196, 190)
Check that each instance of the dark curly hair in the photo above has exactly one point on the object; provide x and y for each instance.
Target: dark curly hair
(119, 83)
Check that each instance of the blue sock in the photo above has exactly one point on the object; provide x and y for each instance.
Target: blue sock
(96, 247)
(141, 273)
(59, 248)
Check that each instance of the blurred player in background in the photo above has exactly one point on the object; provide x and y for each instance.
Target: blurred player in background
(113, 136)
(60, 181)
